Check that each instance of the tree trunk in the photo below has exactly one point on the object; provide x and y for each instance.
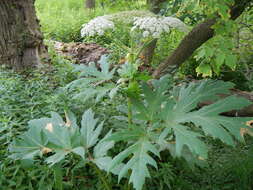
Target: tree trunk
(198, 36)
(155, 5)
(21, 42)
(90, 4)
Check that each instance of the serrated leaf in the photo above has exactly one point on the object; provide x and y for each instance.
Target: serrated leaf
(59, 136)
(55, 119)
(190, 95)
(92, 71)
(30, 144)
(90, 129)
(213, 124)
(94, 82)
(52, 132)
(103, 163)
(190, 139)
(103, 146)
(138, 162)
(57, 157)
(154, 97)
(80, 83)
(79, 151)
(208, 117)
(97, 92)
(192, 159)
(224, 105)
(60, 139)
(100, 157)
(177, 114)
(132, 133)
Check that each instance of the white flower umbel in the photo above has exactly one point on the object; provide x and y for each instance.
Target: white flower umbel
(155, 26)
(97, 26)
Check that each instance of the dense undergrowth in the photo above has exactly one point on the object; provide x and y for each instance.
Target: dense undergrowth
(26, 97)
(33, 95)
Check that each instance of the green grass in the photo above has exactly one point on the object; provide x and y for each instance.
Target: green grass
(26, 97)
(61, 20)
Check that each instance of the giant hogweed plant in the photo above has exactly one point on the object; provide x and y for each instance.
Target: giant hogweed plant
(157, 119)
(143, 31)
(160, 120)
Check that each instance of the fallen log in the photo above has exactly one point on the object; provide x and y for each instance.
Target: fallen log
(245, 112)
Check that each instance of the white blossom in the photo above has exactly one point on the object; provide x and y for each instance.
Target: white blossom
(146, 34)
(97, 26)
(155, 26)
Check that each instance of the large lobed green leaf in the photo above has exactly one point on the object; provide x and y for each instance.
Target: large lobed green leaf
(61, 138)
(175, 115)
(30, 144)
(93, 82)
(140, 158)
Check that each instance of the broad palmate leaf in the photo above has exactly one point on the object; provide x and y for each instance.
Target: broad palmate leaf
(153, 99)
(175, 115)
(94, 82)
(61, 138)
(100, 157)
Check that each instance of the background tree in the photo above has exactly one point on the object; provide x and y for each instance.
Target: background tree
(90, 4)
(198, 36)
(21, 41)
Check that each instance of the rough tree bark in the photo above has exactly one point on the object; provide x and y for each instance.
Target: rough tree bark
(90, 4)
(198, 36)
(21, 42)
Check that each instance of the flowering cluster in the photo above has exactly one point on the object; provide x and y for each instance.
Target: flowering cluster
(97, 26)
(155, 26)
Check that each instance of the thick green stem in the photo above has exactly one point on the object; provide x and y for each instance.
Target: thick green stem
(130, 113)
